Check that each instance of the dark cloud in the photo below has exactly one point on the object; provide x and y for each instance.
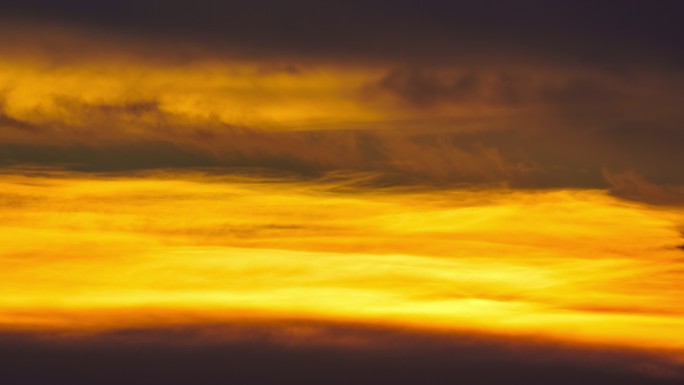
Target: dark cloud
(425, 87)
(405, 30)
(138, 135)
(570, 123)
(583, 98)
(631, 185)
(131, 156)
(422, 88)
(8, 122)
(306, 352)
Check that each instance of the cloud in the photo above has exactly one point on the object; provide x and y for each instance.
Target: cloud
(141, 134)
(439, 102)
(309, 118)
(424, 87)
(144, 133)
(580, 31)
(631, 185)
(310, 351)
(568, 122)
(228, 274)
(7, 122)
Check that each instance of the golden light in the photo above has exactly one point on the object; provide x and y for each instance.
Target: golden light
(575, 265)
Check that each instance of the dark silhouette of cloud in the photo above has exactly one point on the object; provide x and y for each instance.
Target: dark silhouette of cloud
(138, 135)
(300, 351)
(584, 31)
(633, 186)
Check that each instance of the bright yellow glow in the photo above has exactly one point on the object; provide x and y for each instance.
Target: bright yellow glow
(575, 265)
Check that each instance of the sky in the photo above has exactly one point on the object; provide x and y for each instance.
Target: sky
(341, 192)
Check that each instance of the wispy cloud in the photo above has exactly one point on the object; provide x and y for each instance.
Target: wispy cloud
(502, 261)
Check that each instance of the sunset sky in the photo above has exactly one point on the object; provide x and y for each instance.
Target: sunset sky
(341, 192)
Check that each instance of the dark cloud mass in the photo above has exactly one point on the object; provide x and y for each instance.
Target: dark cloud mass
(400, 30)
(307, 352)
(140, 135)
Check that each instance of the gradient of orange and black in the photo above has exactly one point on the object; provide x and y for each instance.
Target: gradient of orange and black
(341, 192)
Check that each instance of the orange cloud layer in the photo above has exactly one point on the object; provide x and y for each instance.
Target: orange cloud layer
(575, 265)
(531, 124)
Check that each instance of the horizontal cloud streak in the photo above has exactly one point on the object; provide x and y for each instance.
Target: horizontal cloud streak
(305, 351)
(579, 31)
(531, 124)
